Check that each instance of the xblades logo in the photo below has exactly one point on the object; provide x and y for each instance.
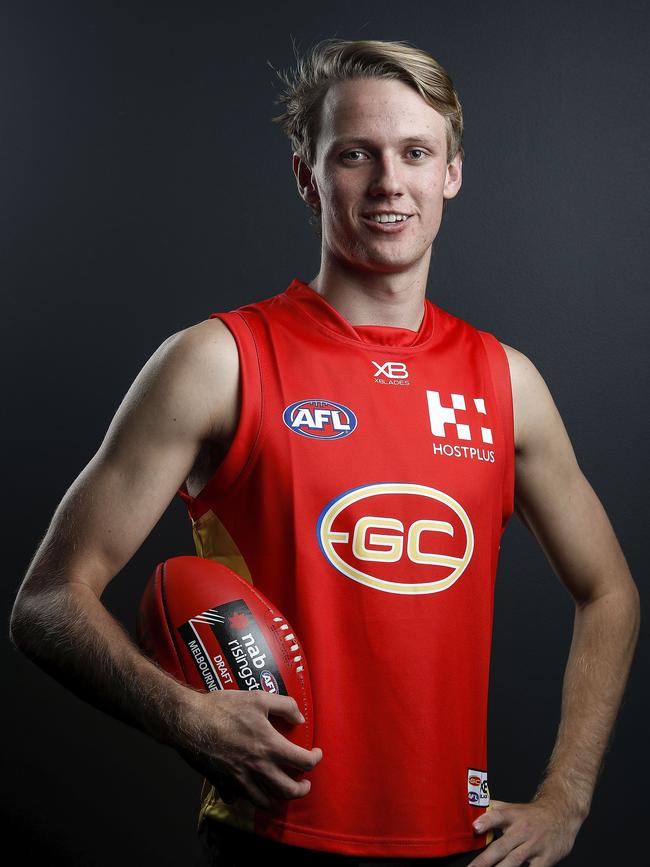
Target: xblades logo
(391, 373)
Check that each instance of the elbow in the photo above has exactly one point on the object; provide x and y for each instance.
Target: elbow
(621, 591)
(42, 622)
(635, 607)
(622, 606)
(20, 623)
(629, 599)
(17, 626)
(631, 615)
(30, 619)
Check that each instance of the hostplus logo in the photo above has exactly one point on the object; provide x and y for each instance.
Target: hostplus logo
(462, 422)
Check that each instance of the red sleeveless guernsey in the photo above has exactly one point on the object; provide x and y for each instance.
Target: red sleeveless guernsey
(365, 492)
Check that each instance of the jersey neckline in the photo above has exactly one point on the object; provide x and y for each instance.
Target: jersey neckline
(336, 325)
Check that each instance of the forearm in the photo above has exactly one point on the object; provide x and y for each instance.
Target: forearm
(604, 640)
(69, 633)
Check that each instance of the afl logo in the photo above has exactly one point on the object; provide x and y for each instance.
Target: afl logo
(320, 419)
(397, 537)
(268, 681)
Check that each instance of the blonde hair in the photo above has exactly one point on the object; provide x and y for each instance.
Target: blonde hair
(333, 60)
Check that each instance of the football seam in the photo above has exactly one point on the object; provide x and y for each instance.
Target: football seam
(299, 674)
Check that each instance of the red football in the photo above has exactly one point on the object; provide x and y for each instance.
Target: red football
(210, 628)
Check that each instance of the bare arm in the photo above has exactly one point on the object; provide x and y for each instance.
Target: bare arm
(559, 507)
(58, 619)
(102, 520)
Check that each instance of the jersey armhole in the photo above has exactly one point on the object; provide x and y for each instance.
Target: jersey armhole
(500, 370)
(244, 445)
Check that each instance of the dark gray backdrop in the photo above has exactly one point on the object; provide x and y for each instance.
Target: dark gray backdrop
(145, 187)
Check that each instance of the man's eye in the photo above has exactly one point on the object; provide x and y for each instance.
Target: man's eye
(347, 155)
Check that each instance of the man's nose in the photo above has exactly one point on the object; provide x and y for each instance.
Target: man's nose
(386, 178)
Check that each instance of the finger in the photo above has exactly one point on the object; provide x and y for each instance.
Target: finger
(281, 785)
(499, 851)
(286, 752)
(491, 819)
(283, 705)
(258, 796)
(495, 852)
(246, 788)
(516, 857)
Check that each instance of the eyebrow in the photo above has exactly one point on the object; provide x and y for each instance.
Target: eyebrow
(411, 139)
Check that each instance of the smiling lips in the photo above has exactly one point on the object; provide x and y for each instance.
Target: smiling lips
(387, 216)
(387, 222)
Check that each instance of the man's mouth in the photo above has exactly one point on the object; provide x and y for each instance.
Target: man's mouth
(390, 217)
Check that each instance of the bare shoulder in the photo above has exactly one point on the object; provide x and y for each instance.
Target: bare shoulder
(182, 399)
(209, 341)
(533, 406)
(209, 352)
(520, 365)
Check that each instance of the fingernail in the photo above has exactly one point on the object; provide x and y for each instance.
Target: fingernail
(478, 825)
(302, 719)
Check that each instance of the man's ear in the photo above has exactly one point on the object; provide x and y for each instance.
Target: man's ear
(306, 185)
(454, 177)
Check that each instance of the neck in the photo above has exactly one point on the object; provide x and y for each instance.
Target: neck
(372, 298)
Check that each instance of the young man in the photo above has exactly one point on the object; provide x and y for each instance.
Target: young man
(356, 452)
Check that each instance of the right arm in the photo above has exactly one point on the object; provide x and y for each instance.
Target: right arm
(59, 621)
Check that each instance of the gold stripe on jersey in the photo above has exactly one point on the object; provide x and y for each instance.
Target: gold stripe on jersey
(214, 542)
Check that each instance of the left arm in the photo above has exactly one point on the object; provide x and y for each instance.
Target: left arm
(557, 504)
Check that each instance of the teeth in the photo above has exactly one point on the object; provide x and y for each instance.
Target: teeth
(388, 218)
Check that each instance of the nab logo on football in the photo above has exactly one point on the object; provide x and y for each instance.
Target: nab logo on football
(320, 419)
(397, 537)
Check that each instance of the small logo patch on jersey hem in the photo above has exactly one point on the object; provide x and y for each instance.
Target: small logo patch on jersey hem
(319, 419)
(478, 794)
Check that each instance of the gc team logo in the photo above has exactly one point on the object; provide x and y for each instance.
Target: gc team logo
(320, 419)
(397, 537)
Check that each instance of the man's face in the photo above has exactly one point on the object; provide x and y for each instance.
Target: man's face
(381, 148)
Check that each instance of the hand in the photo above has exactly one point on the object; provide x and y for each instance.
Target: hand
(226, 736)
(539, 833)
